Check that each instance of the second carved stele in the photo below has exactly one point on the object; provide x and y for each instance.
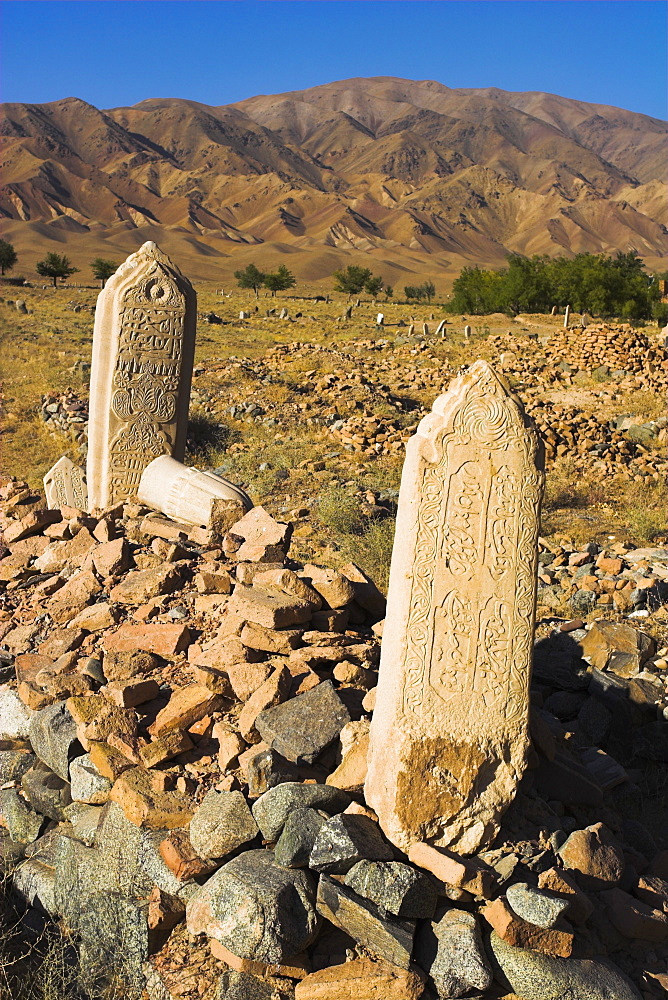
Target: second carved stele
(143, 348)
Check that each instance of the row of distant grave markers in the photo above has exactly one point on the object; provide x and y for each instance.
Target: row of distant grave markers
(449, 734)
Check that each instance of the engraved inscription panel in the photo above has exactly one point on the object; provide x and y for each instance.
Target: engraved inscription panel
(145, 380)
(65, 485)
(468, 636)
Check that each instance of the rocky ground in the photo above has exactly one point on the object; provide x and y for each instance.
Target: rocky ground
(184, 716)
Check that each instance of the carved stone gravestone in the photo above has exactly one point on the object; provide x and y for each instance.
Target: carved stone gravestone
(65, 485)
(449, 731)
(143, 347)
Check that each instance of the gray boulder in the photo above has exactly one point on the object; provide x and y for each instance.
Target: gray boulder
(395, 887)
(452, 954)
(46, 791)
(23, 823)
(222, 823)
(298, 837)
(344, 840)
(255, 909)
(88, 785)
(301, 728)
(535, 905)
(535, 976)
(273, 808)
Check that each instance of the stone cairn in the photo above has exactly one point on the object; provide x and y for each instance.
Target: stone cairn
(184, 720)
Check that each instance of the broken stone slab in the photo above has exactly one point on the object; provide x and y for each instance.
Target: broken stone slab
(141, 585)
(14, 764)
(297, 838)
(180, 857)
(535, 976)
(270, 608)
(184, 493)
(463, 873)
(185, 706)
(53, 736)
(301, 728)
(451, 952)
(65, 485)
(272, 809)
(293, 968)
(560, 883)
(453, 687)
(163, 640)
(264, 539)
(389, 937)
(143, 347)
(145, 806)
(84, 821)
(395, 888)
(344, 840)
(617, 646)
(256, 909)
(336, 589)
(221, 823)
(362, 979)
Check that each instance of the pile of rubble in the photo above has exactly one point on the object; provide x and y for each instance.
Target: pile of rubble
(66, 414)
(184, 722)
(620, 348)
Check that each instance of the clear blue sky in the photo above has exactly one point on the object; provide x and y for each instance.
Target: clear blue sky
(119, 52)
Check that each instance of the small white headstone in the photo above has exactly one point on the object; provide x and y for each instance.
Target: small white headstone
(380, 319)
(567, 315)
(65, 485)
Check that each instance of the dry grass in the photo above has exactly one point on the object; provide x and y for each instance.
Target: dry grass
(38, 352)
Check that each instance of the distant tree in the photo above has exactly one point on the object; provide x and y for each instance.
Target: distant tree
(279, 280)
(103, 269)
(373, 286)
(429, 290)
(351, 280)
(55, 266)
(414, 292)
(389, 292)
(8, 256)
(250, 277)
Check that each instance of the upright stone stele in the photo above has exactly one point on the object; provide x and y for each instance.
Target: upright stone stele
(449, 734)
(143, 348)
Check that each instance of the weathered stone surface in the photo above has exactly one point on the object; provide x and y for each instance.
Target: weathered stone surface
(617, 646)
(452, 698)
(301, 728)
(389, 937)
(112, 558)
(46, 791)
(256, 909)
(351, 772)
(23, 823)
(141, 585)
(267, 769)
(293, 968)
(563, 885)
(87, 784)
(14, 764)
(234, 985)
(362, 979)
(65, 485)
(394, 887)
(120, 665)
(145, 806)
(35, 882)
(537, 907)
(53, 735)
(222, 823)
(84, 820)
(336, 589)
(143, 346)
(451, 952)
(344, 840)
(534, 976)
(269, 608)
(595, 854)
(634, 918)
(14, 716)
(273, 808)
(114, 939)
(264, 539)
(180, 857)
(297, 838)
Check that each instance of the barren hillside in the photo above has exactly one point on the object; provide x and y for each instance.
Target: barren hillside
(418, 177)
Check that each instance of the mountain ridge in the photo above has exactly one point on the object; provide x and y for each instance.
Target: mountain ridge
(415, 175)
